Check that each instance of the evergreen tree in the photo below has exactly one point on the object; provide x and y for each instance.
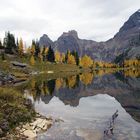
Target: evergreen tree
(43, 53)
(37, 48)
(33, 48)
(9, 43)
(51, 86)
(77, 58)
(50, 55)
(1, 46)
(66, 56)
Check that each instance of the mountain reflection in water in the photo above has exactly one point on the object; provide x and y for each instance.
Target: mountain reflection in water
(83, 117)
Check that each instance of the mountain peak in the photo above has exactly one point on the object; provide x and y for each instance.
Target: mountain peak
(45, 41)
(45, 36)
(132, 22)
(71, 33)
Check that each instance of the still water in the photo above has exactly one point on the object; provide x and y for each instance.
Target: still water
(86, 103)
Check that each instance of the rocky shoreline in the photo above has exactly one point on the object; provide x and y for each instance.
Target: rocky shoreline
(30, 130)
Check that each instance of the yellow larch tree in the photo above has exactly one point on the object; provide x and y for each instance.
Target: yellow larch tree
(58, 83)
(46, 50)
(71, 59)
(86, 78)
(86, 61)
(20, 47)
(71, 81)
(32, 60)
(32, 49)
(57, 57)
(28, 50)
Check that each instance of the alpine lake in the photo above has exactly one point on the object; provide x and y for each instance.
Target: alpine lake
(84, 103)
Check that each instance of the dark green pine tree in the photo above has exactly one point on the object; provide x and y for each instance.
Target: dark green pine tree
(9, 43)
(37, 48)
(50, 55)
(1, 46)
(43, 53)
(51, 86)
(77, 58)
(66, 56)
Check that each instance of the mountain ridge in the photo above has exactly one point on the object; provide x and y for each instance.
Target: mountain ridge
(128, 38)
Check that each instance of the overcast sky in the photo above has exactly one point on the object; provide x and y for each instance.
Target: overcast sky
(93, 19)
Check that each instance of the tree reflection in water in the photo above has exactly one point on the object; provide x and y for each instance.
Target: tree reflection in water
(123, 85)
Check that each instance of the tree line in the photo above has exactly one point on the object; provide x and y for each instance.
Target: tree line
(41, 53)
(36, 53)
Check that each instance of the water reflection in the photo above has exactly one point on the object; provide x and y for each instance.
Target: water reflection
(105, 91)
(123, 85)
(88, 120)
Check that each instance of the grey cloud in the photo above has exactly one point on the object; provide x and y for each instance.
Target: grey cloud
(93, 19)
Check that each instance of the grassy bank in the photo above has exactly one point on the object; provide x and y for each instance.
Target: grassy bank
(14, 109)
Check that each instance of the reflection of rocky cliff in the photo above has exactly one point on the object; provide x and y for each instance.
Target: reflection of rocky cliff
(70, 90)
(125, 89)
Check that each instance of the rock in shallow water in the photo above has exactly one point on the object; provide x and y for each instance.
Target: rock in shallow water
(40, 125)
(30, 134)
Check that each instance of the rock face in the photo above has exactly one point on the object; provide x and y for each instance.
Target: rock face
(45, 41)
(126, 40)
(68, 41)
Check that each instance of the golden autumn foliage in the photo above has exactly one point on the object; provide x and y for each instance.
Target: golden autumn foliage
(44, 89)
(57, 57)
(132, 72)
(100, 64)
(71, 81)
(102, 72)
(32, 49)
(86, 61)
(103, 64)
(132, 63)
(28, 50)
(20, 47)
(46, 50)
(71, 59)
(59, 83)
(32, 60)
(86, 78)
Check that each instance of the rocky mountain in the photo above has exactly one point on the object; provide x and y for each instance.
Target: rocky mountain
(45, 41)
(126, 43)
